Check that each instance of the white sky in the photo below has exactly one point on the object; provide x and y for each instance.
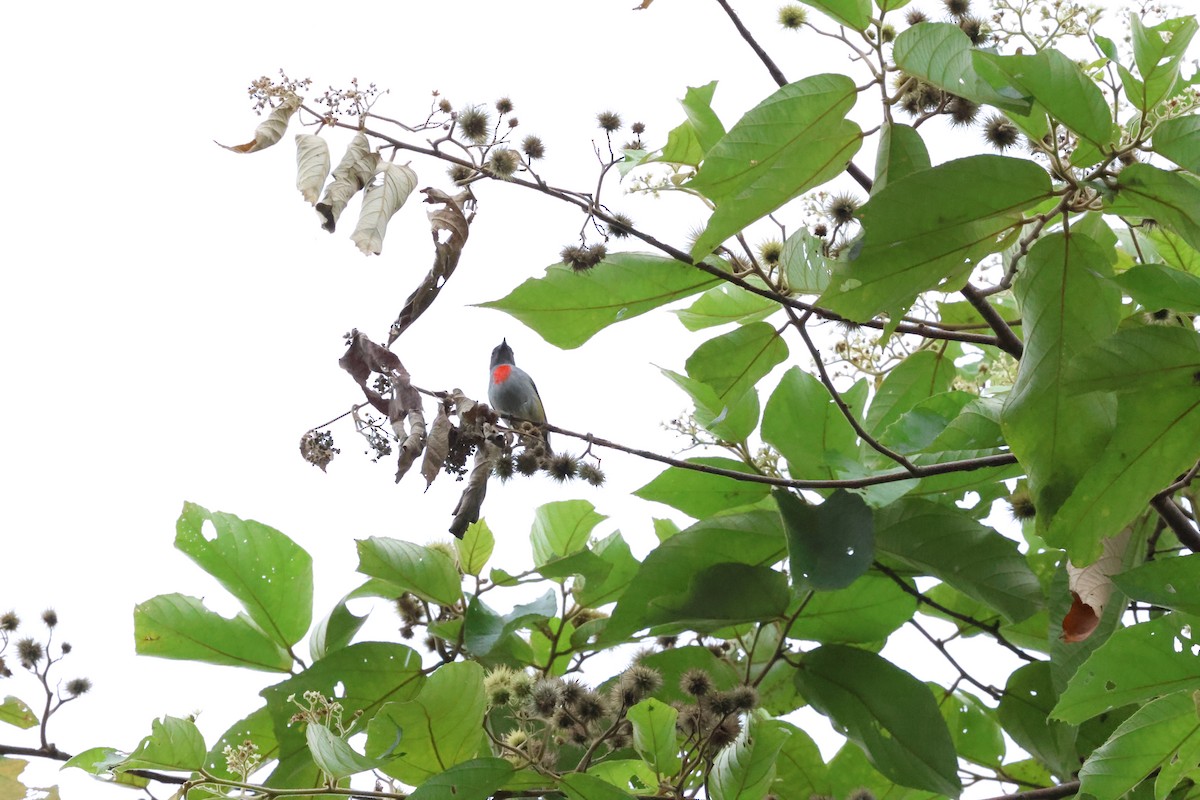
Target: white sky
(172, 313)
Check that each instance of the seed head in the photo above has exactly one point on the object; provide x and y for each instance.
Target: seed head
(725, 733)
(570, 691)
(744, 697)
(722, 704)
(544, 697)
(638, 128)
(589, 707)
(591, 474)
(29, 652)
(793, 16)
(915, 16)
(9, 621)
(841, 208)
(666, 642)
(504, 105)
(975, 30)
(527, 463)
(962, 111)
(697, 683)
(460, 174)
(444, 106)
(533, 148)
(770, 252)
(820, 230)
(78, 686)
(50, 617)
(503, 162)
(1000, 133)
(474, 123)
(620, 226)
(887, 33)
(504, 467)
(609, 121)
(957, 9)
(498, 686)
(1021, 504)
(862, 794)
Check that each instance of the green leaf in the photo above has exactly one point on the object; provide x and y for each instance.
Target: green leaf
(939, 53)
(336, 757)
(690, 142)
(1024, 711)
(475, 548)
(1179, 140)
(180, 627)
(581, 786)
(682, 147)
(174, 744)
(592, 591)
(830, 545)
(804, 424)
(15, 712)
(794, 140)
(722, 595)
(745, 769)
(1148, 740)
(734, 362)
(443, 725)
(427, 573)
(886, 711)
(805, 267)
(1061, 87)
(628, 774)
(1148, 358)
(754, 538)
(721, 305)
(908, 248)
(256, 727)
(973, 727)
(902, 152)
(800, 771)
(654, 735)
(1136, 663)
(484, 629)
(477, 779)
(866, 611)
(1167, 582)
(1157, 286)
(702, 494)
(265, 570)
(733, 423)
(854, 14)
(335, 631)
(562, 528)
(95, 761)
(945, 542)
(1066, 306)
(1158, 52)
(1170, 198)
(568, 308)
(922, 375)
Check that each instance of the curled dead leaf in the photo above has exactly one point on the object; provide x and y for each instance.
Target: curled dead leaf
(413, 444)
(383, 198)
(351, 174)
(471, 502)
(1092, 587)
(437, 446)
(450, 228)
(312, 165)
(271, 129)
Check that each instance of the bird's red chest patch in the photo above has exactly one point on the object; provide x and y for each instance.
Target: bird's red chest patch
(500, 374)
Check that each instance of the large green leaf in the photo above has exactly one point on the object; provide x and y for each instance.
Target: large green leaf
(939, 53)
(1061, 87)
(1152, 738)
(174, 744)
(568, 308)
(1179, 140)
(730, 422)
(886, 711)
(1066, 306)
(902, 152)
(337, 758)
(581, 786)
(866, 611)
(180, 627)
(1157, 286)
(14, 712)
(484, 629)
(806, 269)
(946, 542)
(854, 14)
(721, 595)
(477, 779)
(800, 772)
(428, 573)
(1168, 582)
(1024, 711)
(1148, 358)
(562, 528)
(808, 429)
(745, 769)
(1136, 664)
(475, 548)
(1158, 52)
(335, 631)
(829, 545)
(256, 727)
(922, 375)
(1170, 198)
(265, 570)
(794, 140)
(973, 727)
(701, 494)
(755, 538)
(908, 248)
(591, 591)
(442, 726)
(689, 142)
(654, 735)
(721, 305)
(734, 362)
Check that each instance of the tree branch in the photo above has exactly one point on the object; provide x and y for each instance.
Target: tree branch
(776, 72)
(1006, 339)
(1177, 521)
(1048, 793)
(55, 754)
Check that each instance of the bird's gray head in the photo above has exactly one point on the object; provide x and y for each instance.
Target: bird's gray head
(502, 354)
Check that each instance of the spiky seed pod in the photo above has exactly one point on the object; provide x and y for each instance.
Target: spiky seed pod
(497, 685)
(475, 123)
(50, 617)
(915, 16)
(638, 128)
(29, 652)
(9, 621)
(571, 691)
(820, 230)
(1000, 133)
(1021, 504)
(65, 647)
(722, 704)
(770, 251)
(793, 16)
(574, 257)
(533, 148)
(522, 685)
(620, 226)
(646, 680)
(910, 103)
(975, 30)
(589, 707)
(516, 738)
(725, 733)
(460, 174)
(78, 686)
(527, 463)
(887, 33)
(544, 698)
(563, 720)
(513, 122)
(957, 9)
(406, 632)
(444, 106)
(625, 695)
(962, 111)
(578, 736)
(862, 793)
(562, 467)
(929, 96)
(666, 642)
(5, 672)
(504, 105)
(689, 719)
(609, 121)
(503, 162)
(842, 207)
(744, 698)
(591, 473)
(409, 608)
(597, 253)
(697, 683)
(504, 467)
(430, 643)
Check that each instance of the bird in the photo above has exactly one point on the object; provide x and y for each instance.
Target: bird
(511, 392)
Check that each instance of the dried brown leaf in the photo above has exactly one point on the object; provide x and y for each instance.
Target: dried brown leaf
(312, 165)
(437, 446)
(450, 227)
(1092, 586)
(351, 174)
(471, 502)
(271, 129)
(413, 444)
(381, 201)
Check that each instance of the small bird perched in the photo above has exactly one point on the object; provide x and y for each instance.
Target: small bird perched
(512, 392)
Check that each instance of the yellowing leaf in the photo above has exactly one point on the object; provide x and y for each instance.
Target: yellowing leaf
(312, 165)
(381, 201)
(352, 173)
(271, 129)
